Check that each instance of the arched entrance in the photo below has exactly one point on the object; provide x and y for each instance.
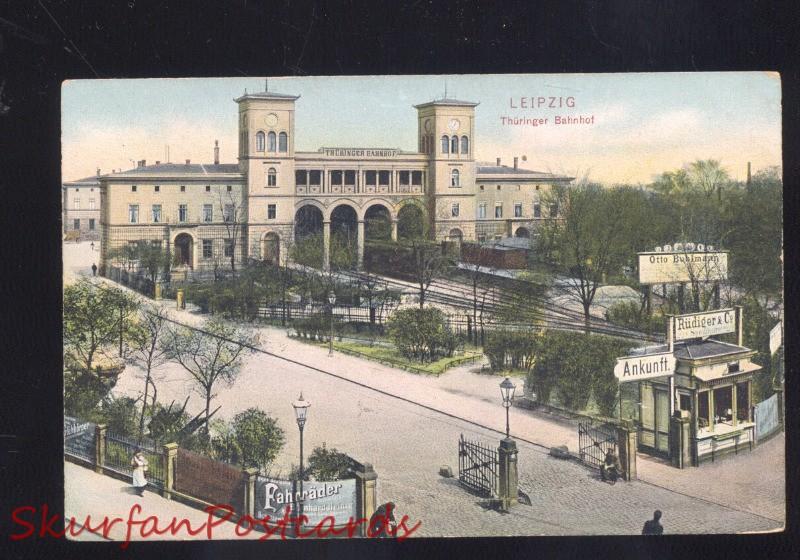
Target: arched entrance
(522, 232)
(271, 248)
(410, 222)
(184, 250)
(307, 248)
(344, 236)
(455, 235)
(377, 223)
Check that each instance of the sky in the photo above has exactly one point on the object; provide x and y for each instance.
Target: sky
(643, 124)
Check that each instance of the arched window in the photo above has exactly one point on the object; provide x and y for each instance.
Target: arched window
(445, 145)
(454, 145)
(272, 177)
(259, 141)
(271, 142)
(464, 145)
(283, 142)
(454, 178)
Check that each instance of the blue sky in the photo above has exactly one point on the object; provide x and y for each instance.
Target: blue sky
(643, 123)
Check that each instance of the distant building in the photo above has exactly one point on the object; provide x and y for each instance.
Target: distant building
(80, 206)
(257, 208)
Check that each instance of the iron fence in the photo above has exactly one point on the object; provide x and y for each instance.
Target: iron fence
(594, 441)
(478, 467)
(119, 451)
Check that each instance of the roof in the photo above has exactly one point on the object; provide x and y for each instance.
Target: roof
(267, 95)
(695, 349)
(91, 180)
(181, 169)
(506, 170)
(447, 102)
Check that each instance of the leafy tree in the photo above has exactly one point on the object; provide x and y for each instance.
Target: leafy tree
(120, 415)
(151, 258)
(329, 464)
(258, 436)
(84, 390)
(421, 334)
(212, 355)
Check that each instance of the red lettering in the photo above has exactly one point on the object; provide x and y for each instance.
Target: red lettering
(130, 524)
(104, 524)
(15, 517)
(47, 524)
(211, 510)
(176, 526)
(407, 531)
(249, 521)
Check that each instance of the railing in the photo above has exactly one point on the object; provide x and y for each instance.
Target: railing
(119, 451)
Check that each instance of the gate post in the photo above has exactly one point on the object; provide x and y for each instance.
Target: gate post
(779, 392)
(250, 475)
(626, 443)
(169, 456)
(366, 493)
(679, 439)
(507, 455)
(99, 447)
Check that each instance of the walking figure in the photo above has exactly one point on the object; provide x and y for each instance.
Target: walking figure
(382, 524)
(139, 463)
(94, 269)
(652, 526)
(610, 469)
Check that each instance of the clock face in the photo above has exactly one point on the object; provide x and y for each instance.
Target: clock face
(271, 119)
(428, 125)
(454, 124)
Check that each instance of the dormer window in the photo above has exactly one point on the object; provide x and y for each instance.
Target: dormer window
(733, 367)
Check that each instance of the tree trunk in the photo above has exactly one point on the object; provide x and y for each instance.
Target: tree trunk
(586, 315)
(208, 411)
(144, 404)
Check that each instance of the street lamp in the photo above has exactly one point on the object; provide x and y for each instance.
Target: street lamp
(507, 389)
(332, 301)
(300, 413)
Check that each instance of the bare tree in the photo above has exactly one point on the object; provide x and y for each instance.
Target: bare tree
(212, 355)
(149, 351)
(427, 263)
(234, 214)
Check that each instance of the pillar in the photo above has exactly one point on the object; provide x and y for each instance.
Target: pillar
(680, 439)
(394, 230)
(366, 493)
(779, 394)
(169, 457)
(360, 244)
(326, 245)
(681, 295)
(99, 447)
(250, 475)
(739, 325)
(626, 445)
(509, 490)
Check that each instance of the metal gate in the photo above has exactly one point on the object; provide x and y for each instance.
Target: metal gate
(478, 467)
(595, 441)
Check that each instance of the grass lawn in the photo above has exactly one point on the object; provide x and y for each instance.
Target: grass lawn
(392, 357)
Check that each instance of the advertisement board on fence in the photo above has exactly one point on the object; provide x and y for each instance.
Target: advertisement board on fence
(666, 268)
(696, 325)
(320, 499)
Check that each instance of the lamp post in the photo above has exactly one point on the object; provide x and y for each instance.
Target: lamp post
(331, 301)
(300, 413)
(507, 389)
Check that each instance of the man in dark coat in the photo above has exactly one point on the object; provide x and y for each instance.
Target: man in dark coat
(382, 524)
(610, 469)
(652, 526)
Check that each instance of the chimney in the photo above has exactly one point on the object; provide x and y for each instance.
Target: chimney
(516, 161)
(98, 171)
(748, 174)
(158, 162)
(498, 162)
(188, 161)
(216, 152)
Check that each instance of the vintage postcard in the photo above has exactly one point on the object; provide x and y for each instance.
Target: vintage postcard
(422, 306)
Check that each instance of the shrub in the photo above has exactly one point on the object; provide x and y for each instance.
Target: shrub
(329, 464)
(631, 315)
(120, 415)
(511, 349)
(258, 436)
(422, 334)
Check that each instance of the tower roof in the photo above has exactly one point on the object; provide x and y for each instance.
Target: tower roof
(273, 95)
(447, 102)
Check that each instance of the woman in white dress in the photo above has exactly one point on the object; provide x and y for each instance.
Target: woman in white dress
(139, 464)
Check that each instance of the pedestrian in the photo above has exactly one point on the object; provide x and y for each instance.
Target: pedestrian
(652, 526)
(610, 469)
(382, 524)
(139, 464)
(94, 269)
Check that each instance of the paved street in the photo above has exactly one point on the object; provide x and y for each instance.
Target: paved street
(408, 426)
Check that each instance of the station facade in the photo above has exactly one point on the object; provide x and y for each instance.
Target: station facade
(255, 209)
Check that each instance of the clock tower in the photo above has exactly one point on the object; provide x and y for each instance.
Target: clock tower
(446, 131)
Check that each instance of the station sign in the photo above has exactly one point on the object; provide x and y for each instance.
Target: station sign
(701, 325)
(666, 268)
(639, 368)
(360, 152)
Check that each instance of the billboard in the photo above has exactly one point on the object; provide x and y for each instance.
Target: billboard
(639, 368)
(320, 499)
(696, 325)
(666, 268)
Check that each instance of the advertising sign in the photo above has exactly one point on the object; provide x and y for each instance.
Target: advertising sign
(696, 325)
(639, 368)
(775, 338)
(320, 499)
(666, 268)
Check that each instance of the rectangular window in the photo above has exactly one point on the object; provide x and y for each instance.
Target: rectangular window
(404, 178)
(454, 209)
(156, 213)
(416, 177)
(133, 213)
(76, 224)
(182, 212)
(91, 224)
(336, 177)
(157, 188)
(498, 210)
(482, 210)
(208, 249)
(553, 210)
(227, 213)
(229, 188)
(481, 239)
(315, 177)
(537, 210)
(301, 178)
(208, 188)
(183, 188)
(77, 204)
(133, 188)
(271, 211)
(371, 178)
(383, 177)
(228, 247)
(702, 410)
(350, 177)
(517, 210)
(91, 204)
(208, 213)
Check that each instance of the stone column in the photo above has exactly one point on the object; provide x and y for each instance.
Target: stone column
(680, 439)
(360, 244)
(249, 474)
(99, 447)
(366, 494)
(394, 230)
(626, 444)
(326, 245)
(170, 455)
(507, 455)
(779, 393)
